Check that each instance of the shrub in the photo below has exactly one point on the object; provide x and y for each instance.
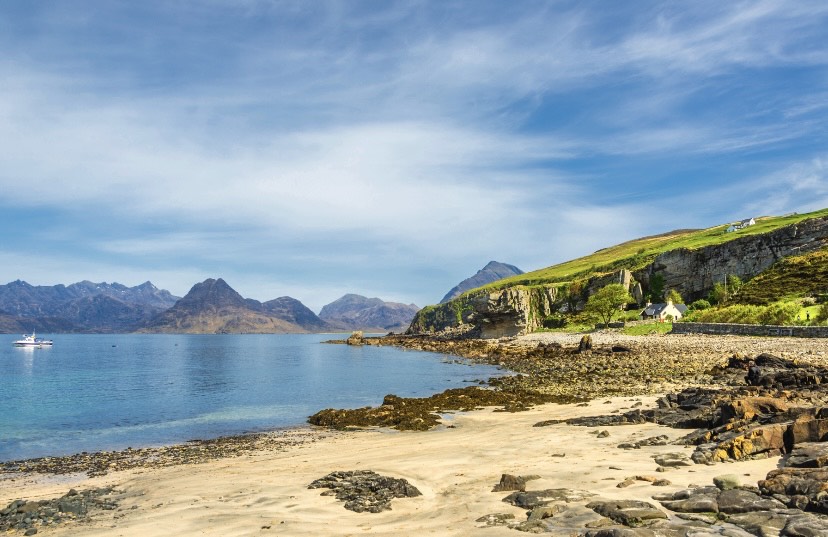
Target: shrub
(556, 320)
(699, 305)
(737, 313)
(822, 313)
(780, 313)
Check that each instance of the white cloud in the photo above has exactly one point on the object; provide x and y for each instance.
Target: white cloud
(399, 139)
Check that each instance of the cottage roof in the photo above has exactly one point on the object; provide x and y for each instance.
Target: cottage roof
(655, 310)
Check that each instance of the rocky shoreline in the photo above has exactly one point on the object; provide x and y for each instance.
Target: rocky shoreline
(553, 367)
(738, 405)
(101, 463)
(739, 398)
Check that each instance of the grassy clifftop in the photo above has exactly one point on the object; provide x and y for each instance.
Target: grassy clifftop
(639, 253)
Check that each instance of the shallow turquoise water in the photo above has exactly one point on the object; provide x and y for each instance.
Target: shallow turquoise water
(103, 392)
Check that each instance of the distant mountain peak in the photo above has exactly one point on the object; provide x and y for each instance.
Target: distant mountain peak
(211, 292)
(212, 306)
(356, 312)
(493, 271)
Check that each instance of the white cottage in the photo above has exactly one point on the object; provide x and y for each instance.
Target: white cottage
(741, 225)
(662, 311)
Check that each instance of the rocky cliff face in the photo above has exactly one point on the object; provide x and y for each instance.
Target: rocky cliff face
(692, 273)
(504, 313)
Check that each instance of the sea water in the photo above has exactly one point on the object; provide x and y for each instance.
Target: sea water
(105, 392)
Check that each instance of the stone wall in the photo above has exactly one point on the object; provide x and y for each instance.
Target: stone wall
(750, 329)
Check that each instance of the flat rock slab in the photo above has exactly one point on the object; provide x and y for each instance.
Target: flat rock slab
(714, 500)
(630, 513)
(736, 501)
(537, 498)
(365, 490)
(808, 455)
(673, 460)
(805, 525)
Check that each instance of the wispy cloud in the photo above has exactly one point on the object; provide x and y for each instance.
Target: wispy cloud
(280, 140)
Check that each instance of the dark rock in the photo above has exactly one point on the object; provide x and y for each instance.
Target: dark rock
(510, 482)
(547, 423)
(630, 513)
(789, 484)
(586, 344)
(763, 524)
(697, 500)
(808, 455)
(660, 440)
(25, 516)
(537, 498)
(420, 413)
(496, 519)
(806, 429)
(620, 532)
(365, 490)
(736, 501)
(805, 525)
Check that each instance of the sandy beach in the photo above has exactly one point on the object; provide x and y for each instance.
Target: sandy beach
(454, 466)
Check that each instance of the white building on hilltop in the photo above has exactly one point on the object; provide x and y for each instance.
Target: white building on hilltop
(741, 225)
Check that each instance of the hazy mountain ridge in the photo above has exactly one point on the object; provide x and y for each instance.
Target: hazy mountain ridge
(81, 307)
(356, 312)
(211, 306)
(492, 272)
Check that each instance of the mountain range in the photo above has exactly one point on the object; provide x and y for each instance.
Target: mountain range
(80, 307)
(211, 306)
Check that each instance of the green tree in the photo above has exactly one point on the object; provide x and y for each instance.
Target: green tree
(718, 295)
(675, 296)
(607, 302)
(657, 288)
(734, 284)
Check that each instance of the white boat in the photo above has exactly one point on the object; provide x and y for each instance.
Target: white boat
(33, 341)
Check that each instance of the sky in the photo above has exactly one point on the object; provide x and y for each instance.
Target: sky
(392, 148)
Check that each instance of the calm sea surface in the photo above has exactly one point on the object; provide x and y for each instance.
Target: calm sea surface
(103, 392)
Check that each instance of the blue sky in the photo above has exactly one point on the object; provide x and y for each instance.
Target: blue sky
(388, 148)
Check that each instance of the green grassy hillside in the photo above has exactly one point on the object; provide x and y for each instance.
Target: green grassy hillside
(790, 278)
(638, 253)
